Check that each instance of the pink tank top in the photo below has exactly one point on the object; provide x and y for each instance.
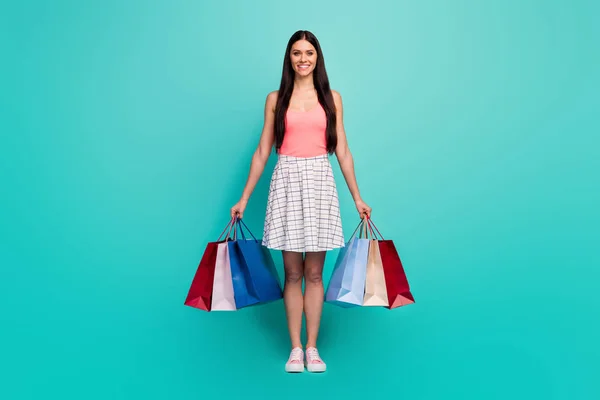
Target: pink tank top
(305, 133)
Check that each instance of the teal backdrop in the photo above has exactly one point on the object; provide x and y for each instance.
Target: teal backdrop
(127, 133)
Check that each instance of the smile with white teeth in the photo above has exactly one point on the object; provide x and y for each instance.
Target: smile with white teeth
(303, 66)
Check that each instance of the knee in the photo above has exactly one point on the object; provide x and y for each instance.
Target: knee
(293, 276)
(313, 276)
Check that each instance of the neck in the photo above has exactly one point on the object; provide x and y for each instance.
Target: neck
(304, 83)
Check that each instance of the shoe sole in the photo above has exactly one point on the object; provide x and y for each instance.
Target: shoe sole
(316, 367)
(294, 368)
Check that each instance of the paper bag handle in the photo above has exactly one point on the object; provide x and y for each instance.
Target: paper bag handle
(227, 229)
(371, 224)
(240, 223)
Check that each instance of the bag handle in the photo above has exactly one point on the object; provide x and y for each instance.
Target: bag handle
(238, 227)
(363, 229)
(368, 229)
(240, 223)
(371, 226)
(229, 226)
(356, 229)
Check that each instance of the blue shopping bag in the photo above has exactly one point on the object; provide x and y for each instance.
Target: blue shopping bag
(255, 279)
(346, 286)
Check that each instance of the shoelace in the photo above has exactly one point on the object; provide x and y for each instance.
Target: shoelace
(295, 356)
(313, 355)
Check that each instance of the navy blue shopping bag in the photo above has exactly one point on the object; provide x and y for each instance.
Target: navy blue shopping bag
(255, 279)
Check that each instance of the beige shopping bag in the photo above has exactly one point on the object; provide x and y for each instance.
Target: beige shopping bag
(375, 289)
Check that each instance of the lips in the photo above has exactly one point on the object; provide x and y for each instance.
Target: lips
(303, 66)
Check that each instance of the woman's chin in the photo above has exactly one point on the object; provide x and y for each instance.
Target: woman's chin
(303, 73)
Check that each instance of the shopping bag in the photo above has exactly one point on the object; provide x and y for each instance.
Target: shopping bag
(396, 283)
(375, 289)
(222, 294)
(397, 286)
(201, 289)
(254, 276)
(346, 286)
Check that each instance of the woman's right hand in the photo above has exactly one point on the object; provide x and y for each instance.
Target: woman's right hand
(238, 209)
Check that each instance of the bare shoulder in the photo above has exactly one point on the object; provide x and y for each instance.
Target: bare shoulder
(337, 98)
(272, 96)
(271, 101)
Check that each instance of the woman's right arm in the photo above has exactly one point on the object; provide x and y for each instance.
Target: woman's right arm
(260, 157)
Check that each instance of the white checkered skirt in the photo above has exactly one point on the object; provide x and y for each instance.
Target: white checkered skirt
(303, 212)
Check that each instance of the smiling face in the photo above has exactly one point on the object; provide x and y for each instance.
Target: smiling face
(303, 56)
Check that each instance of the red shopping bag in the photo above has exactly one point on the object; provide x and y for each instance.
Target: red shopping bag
(200, 292)
(396, 282)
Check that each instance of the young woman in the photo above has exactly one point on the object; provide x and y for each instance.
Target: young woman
(303, 121)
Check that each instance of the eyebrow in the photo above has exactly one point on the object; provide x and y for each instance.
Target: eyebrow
(301, 50)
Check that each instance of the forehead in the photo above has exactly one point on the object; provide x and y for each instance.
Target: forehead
(302, 45)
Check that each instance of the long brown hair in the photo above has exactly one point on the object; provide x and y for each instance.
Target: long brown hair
(321, 83)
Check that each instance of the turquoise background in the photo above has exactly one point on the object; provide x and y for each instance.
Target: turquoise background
(127, 132)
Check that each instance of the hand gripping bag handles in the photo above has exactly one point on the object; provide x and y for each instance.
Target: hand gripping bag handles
(255, 279)
(201, 289)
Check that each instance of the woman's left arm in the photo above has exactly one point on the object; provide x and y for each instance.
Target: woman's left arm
(344, 157)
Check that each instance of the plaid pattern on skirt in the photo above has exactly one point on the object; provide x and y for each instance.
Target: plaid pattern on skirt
(303, 213)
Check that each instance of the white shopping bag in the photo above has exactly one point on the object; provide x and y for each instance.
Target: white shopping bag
(222, 296)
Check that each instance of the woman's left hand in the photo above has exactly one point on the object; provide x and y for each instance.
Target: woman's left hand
(363, 209)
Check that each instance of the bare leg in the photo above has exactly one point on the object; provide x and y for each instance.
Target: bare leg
(293, 264)
(313, 297)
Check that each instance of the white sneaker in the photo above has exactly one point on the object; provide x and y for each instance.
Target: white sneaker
(296, 361)
(313, 361)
